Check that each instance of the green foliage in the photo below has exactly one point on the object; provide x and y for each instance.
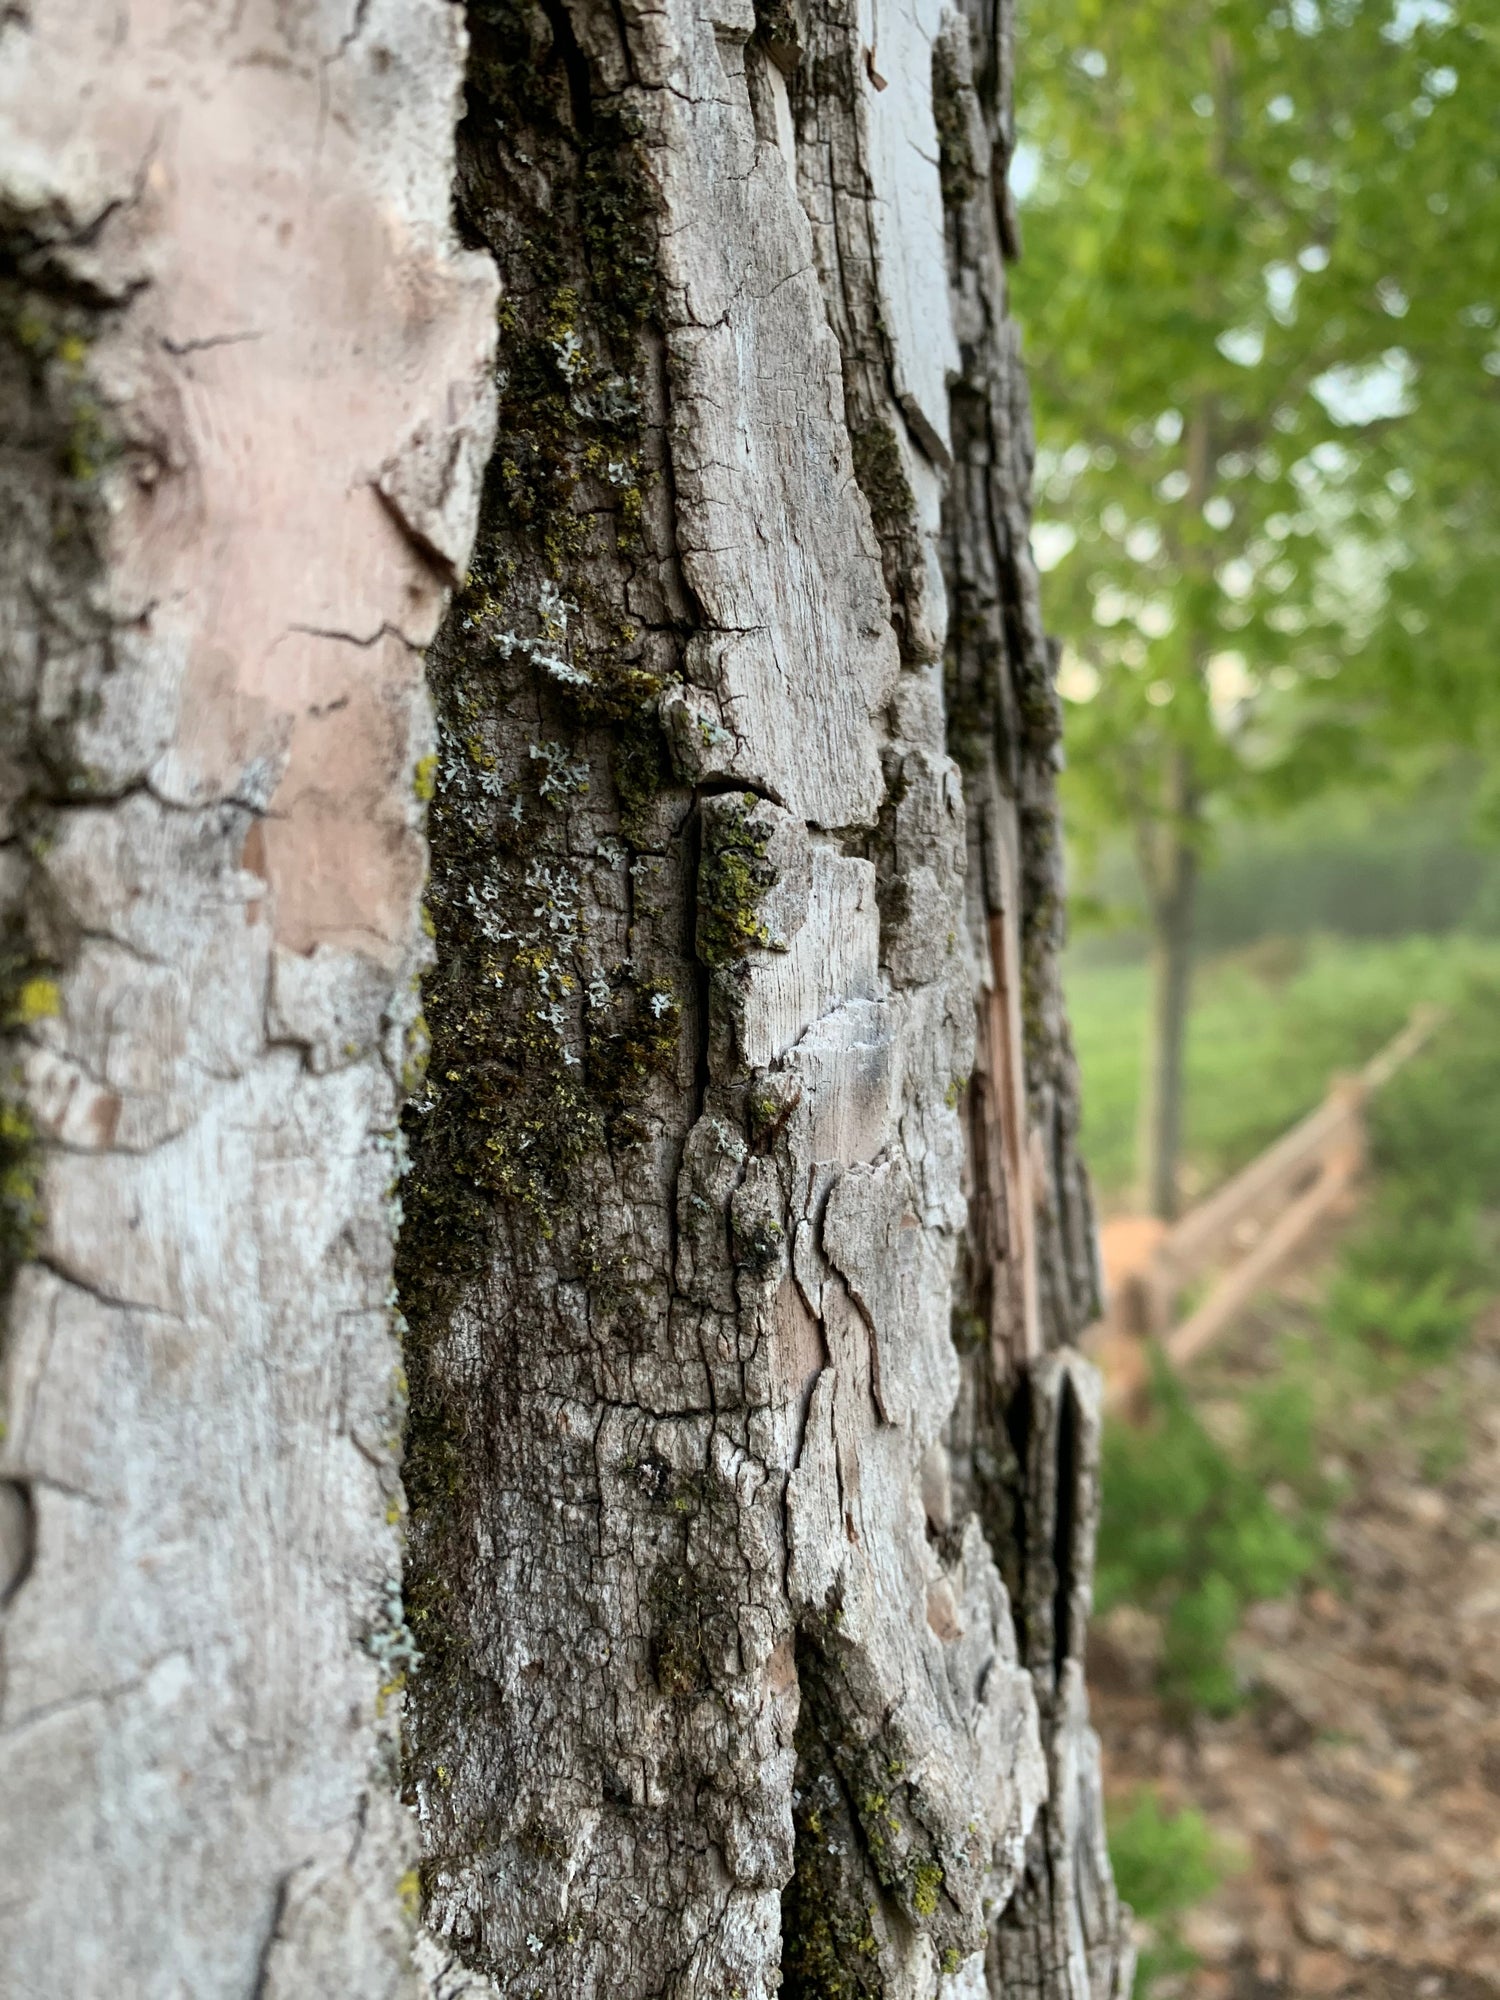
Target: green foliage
(1190, 1533)
(1163, 1862)
(1261, 291)
(1262, 302)
(1411, 1279)
(1435, 1124)
(1424, 1324)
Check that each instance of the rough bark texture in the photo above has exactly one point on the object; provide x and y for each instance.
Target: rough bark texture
(751, 1478)
(244, 384)
(753, 1484)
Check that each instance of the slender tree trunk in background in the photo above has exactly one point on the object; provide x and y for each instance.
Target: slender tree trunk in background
(750, 1475)
(1168, 847)
(1173, 893)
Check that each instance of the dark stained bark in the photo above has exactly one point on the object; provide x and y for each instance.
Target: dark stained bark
(753, 1479)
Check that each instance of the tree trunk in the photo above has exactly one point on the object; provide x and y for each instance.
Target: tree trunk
(1172, 893)
(1166, 1031)
(1168, 847)
(750, 1476)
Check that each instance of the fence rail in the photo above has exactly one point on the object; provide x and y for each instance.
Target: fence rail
(1243, 1232)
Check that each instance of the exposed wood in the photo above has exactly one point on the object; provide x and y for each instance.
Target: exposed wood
(1003, 1039)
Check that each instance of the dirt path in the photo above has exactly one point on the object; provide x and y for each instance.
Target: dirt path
(1361, 1782)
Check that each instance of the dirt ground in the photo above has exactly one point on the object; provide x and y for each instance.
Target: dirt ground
(1360, 1784)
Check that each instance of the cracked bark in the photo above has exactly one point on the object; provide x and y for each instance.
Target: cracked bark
(229, 301)
(749, 1476)
(751, 1600)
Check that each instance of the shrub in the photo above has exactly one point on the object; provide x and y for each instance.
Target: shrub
(1418, 1324)
(1190, 1531)
(1163, 1862)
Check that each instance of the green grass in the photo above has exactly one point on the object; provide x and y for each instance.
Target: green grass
(1270, 1026)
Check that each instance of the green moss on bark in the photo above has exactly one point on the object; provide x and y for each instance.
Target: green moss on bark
(830, 1949)
(28, 994)
(553, 1014)
(882, 476)
(865, 1852)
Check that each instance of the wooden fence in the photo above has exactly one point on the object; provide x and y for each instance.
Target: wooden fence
(1242, 1234)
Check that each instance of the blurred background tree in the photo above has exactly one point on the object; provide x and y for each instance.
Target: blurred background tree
(1260, 286)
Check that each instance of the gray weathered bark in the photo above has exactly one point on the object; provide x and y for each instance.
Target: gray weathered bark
(244, 374)
(722, 1681)
(751, 1476)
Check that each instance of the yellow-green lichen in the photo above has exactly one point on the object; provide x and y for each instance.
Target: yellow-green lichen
(409, 1894)
(36, 999)
(926, 1887)
(28, 994)
(18, 1185)
(864, 1829)
(734, 875)
(830, 1948)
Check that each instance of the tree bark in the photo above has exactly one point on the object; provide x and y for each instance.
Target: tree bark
(245, 381)
(750, 1476)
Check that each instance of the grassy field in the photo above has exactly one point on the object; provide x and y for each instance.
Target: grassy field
(1271, 1024)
